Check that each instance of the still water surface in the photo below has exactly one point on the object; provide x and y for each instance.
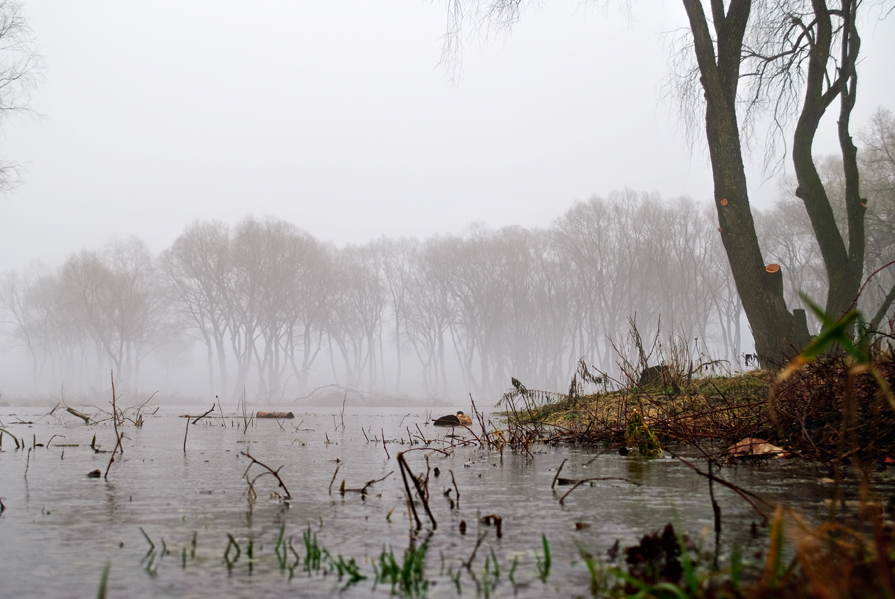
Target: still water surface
(61, 528)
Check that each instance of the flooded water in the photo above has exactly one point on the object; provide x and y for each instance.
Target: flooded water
(61, 528)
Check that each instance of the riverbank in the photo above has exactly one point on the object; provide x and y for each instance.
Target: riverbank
(834, 411)
(802, 414)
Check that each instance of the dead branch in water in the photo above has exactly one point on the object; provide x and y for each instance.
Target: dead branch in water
(339, 465)
(363, 490)
(558, 470)
(118, 435)
(269, 470)
(194, 422)
(406, 469)
(738, 490)
(74, 412)
(588, 480)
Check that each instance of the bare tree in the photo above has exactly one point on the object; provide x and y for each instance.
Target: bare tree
(199, 268)
(429, 312)
(356, 325)
(787, 233)
(25, 315)
(798, 57)
(395, 259)
(877, 162)
(20, 68)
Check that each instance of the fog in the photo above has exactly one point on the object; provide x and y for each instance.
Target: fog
(267, 309)
(378, 220)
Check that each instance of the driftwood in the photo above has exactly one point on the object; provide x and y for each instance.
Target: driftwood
(74, 412)
(277, 415)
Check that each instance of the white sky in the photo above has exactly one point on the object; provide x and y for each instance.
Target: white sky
(335, 115)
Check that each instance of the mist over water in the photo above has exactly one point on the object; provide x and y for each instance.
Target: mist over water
(266, 309)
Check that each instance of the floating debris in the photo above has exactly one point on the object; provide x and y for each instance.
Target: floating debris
(753, 447)
(277, 415)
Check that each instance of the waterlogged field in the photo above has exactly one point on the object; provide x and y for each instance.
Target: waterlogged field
(182, 522)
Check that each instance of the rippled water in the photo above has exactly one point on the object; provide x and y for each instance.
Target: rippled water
(61, 528)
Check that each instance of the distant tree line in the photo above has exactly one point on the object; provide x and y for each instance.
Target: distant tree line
(277, 312)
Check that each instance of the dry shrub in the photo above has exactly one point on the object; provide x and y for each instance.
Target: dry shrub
(809, 407)
(712, 409)
(832, 561)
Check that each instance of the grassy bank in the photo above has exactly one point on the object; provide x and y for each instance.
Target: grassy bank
(825, 411)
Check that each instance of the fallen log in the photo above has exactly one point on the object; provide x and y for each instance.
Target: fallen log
(277, 415)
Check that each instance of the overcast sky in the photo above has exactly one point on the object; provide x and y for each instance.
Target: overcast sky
(336, 115)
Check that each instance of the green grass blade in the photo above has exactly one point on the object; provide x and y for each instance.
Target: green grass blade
(103, 582)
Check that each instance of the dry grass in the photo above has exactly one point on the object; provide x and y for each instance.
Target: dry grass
(703, 409)
(803, 415)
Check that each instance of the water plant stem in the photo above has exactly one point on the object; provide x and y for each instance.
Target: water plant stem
(118, 436)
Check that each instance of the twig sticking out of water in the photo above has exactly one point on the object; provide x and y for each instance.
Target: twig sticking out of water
(271, 471)
(416, 517)
(405, 470)
(716, 509)
(246, 419)
(383, 445)
(339, 465)
(341, 414)
(118, 436)
(475, 550)
(363, 490)
(558, 470)
(587, 480)
(197, 419)
(422, 437)
(738, 490)
(221, 410)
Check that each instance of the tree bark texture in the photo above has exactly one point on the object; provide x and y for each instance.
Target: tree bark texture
(844, 264)
(773, 326)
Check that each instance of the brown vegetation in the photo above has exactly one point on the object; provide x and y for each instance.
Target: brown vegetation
(804, 414)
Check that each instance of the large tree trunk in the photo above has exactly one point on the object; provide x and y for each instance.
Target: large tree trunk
(774, 328)
(844, 265)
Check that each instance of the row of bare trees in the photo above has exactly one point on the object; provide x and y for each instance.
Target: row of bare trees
(276, 311)
(99, 310)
